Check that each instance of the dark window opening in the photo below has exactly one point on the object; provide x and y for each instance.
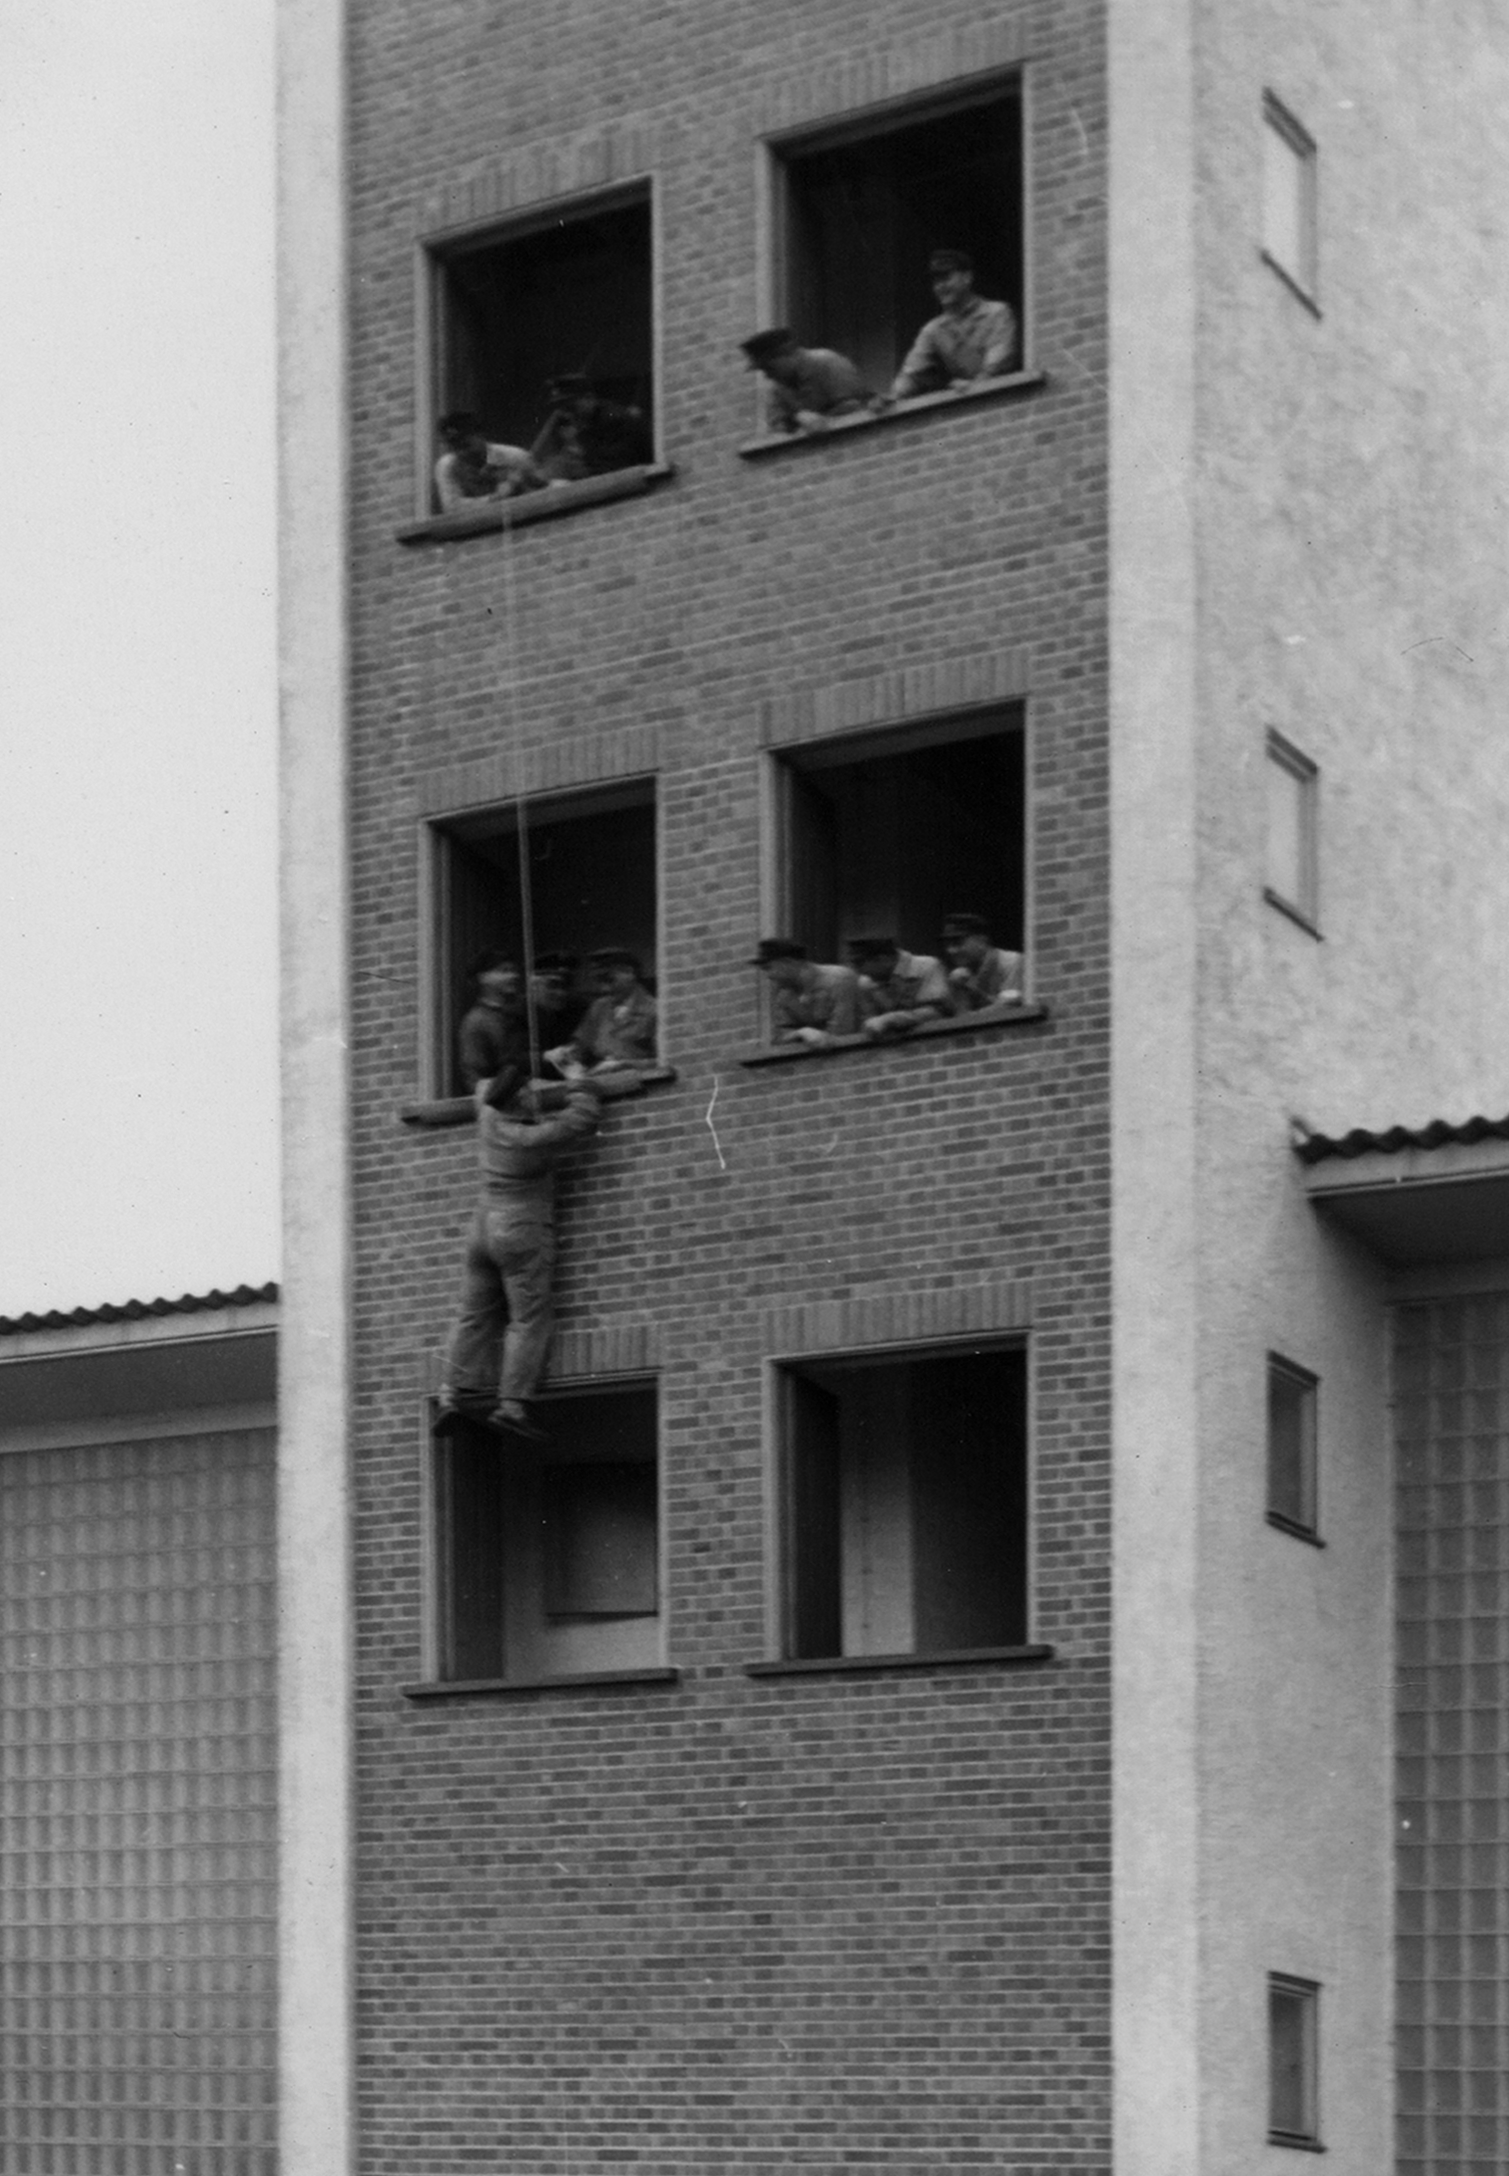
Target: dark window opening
(1291, 1446)
(893, 834)
(548, 1554)
(905, 1504)
(864, 213)
(591, 885)
(1293, 2061)
(513, 310)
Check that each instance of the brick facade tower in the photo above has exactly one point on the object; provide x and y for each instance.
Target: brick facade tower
(768, 1772)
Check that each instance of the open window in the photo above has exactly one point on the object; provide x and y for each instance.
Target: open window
(894, 831)
(904, 1503)
(548, 1555)
(860, 208)
(591, 866)
(1290, 240)
(566, 291)
(1293, 863)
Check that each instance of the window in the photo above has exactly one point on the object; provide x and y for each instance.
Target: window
(892, 832)
(1293, 866)
(860, 209)
(1293, 2061)
(567, 291)
(1289, 221)
(548, 1555)
(591, 884)
(1291, 1446)
(904, 1503)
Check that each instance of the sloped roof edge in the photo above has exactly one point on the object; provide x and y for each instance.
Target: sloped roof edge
(1314, 1148)
(190, 1303)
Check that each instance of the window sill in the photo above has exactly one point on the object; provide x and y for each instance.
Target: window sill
(944, 1659)
(623, 483)
(1294, 913)
(451, 1688)
(970, 1023)
(1295, 2142)
(1293, 1527)
(1020, 382)
(460, 1110)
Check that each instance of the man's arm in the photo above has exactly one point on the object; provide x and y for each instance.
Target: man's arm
(843, 1006)
(1000, 342)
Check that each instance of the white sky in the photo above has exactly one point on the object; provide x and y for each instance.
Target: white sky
(138, 1065)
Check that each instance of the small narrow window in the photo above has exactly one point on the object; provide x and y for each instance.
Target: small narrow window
(548, 1554)
(896, 831)
(904, 1503)
(1293, 2061)
(591, 870)
(1291, 1447)
(1289, 207)
(563, 295)
(865, 205)
(1293, 861)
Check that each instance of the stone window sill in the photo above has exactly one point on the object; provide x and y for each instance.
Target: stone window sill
(943, 1659)
(555, 499)
(460, 1110)
(905, 411)
(450, 1688)
(1293, 1528)
(971, 1023)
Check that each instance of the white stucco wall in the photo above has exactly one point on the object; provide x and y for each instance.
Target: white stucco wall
(1344, 480)
(1350, 546)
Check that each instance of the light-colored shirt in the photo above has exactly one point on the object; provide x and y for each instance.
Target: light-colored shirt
(827, 384)
(975, 342)
(828, 999)
(915, 990)
(996, 981)
(459, 486)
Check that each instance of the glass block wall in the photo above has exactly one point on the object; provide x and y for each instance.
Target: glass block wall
(136, 1817)
(1452, 1399)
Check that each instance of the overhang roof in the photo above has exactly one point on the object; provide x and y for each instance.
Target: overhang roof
(190, 1303)
(1433, 1193)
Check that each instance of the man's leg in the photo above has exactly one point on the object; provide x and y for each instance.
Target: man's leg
(526, 1261)
(472, 1361)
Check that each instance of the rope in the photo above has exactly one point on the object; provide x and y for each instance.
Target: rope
(521, 799)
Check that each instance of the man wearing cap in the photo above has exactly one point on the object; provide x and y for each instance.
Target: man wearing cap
(970, 340)
(618, 1027)
(473, 471)
(898, 990)
(586, 436)
(980, 974)
(507, 1299)
(813, 1004)
(809, 387)
(494, 1032)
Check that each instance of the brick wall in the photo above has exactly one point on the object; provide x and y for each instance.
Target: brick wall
(735, 1922)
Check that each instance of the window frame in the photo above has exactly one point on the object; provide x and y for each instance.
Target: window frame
(437, 831)
(431, 251)
(1307, 1528)
(774, 154)
(777, 1451)
(1306, 1994)
(1303, 280)
(1305, 771)
(436, 1631)
(776, 888)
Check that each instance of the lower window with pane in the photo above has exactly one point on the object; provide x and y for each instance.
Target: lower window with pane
(904, 1502)
(548, 1555)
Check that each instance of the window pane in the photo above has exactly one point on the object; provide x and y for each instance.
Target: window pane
(1291, 2048)
(1291, 868)
(1288, 196)
(1291, 1445)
